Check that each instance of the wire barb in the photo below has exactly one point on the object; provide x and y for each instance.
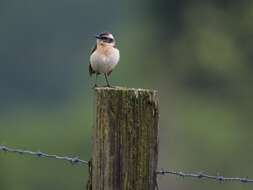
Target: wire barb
(72, 160)
(204, 176)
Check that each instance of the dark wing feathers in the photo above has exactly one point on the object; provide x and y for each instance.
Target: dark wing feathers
(91, 71)
(93, 49)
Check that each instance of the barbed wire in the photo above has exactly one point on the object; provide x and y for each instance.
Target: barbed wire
(204, 176)
(76, 160)
(72, 160)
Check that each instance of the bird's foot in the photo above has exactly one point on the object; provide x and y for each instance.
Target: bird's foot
(109, 86)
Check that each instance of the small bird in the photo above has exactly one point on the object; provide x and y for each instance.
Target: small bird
(104, 56)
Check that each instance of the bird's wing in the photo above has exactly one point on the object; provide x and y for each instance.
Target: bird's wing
(91, 71)
(93, 49)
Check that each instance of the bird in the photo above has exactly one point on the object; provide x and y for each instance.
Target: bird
(104, 56)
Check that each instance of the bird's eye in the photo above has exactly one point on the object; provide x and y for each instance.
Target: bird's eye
(106, 39)
(110, 40)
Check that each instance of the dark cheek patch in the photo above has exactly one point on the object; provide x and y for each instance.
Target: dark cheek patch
(107, 40)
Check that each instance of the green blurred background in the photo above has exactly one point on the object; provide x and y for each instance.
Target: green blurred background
(197, 54)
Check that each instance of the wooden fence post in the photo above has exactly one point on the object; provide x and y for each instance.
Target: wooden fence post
(125, 139)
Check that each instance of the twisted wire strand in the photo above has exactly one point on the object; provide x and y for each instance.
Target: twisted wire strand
(76, 160)
(204, 176)
(72, 160)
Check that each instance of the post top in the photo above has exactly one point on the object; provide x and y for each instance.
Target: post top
(120, 88)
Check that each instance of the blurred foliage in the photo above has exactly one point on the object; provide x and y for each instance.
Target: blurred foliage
(198, 54)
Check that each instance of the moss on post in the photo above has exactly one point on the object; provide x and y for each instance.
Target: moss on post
(125, 139)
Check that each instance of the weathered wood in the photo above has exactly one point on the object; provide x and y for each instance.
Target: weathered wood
(125, 139)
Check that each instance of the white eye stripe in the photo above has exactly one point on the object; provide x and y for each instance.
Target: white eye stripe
(106, 39)
(106, 35)
(110, 36)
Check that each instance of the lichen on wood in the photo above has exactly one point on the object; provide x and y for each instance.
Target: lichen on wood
(125, 139)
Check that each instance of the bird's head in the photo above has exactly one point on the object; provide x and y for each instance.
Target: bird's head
(105, 39)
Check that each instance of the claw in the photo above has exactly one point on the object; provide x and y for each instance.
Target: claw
(109, 86)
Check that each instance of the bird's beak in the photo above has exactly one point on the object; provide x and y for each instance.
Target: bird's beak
(97, 36)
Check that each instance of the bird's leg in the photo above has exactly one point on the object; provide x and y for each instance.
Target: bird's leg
(108, 85)
(96, 81)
